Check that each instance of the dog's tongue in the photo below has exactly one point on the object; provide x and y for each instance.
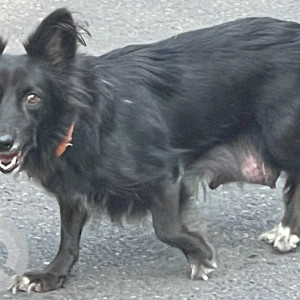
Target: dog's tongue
(7, 158)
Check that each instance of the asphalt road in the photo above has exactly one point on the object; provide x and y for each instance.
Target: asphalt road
(130, 263)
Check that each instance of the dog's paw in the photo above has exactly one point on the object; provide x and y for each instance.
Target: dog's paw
(202, 271)
(281, 238)
(36, 282)
(269, 236)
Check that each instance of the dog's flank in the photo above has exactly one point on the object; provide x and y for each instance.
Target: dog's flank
(147, 122)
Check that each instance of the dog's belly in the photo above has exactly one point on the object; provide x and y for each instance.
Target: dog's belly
(239, 161)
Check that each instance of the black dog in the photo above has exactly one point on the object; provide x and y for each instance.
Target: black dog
(145, 123)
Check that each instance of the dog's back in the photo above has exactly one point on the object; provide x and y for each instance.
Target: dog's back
(206, 88)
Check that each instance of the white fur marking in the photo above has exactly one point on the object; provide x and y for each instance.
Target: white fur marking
(204, 277)
(127, 101)
(264, 169)
(214, 264)
(269, 236)
(107, 82)
(194, 271)
(295, 239)
(281, 238)
(201, 272)
(31, 288)
(22, 283)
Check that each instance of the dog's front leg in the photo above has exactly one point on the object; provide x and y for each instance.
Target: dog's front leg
(73, 217)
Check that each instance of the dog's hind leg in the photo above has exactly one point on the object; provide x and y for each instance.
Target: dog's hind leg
(286, 235)
(170, 229)
(73, 217)
(283, 144)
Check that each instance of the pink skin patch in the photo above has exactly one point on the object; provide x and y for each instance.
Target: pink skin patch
(255, 171)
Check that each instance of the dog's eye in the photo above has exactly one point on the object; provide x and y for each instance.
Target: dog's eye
(32, 99)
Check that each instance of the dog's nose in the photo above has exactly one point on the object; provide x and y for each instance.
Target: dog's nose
(6, 142)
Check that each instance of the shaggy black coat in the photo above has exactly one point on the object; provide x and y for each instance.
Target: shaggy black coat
(150, 121)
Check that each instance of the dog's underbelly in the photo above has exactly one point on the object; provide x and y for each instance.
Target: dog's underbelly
(239, 161)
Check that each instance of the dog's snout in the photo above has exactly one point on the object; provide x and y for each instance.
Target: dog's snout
(6, 142)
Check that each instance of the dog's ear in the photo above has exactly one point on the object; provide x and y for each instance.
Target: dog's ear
(55, 40)
(2, 45)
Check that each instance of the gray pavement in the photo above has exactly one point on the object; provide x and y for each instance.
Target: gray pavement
(130, 263)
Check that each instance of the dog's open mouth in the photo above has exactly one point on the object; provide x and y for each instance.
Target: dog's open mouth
(9, 161)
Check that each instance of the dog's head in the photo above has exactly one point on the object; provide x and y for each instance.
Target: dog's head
(38, 90)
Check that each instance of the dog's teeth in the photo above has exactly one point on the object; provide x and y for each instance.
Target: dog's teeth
(14, 161)
(11, 164)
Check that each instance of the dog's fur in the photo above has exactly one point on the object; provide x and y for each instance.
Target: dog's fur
(150, 121)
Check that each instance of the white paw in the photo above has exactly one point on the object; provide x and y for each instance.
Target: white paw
(22, 283)
(281, 238)
(199, 271)
(269, 236)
